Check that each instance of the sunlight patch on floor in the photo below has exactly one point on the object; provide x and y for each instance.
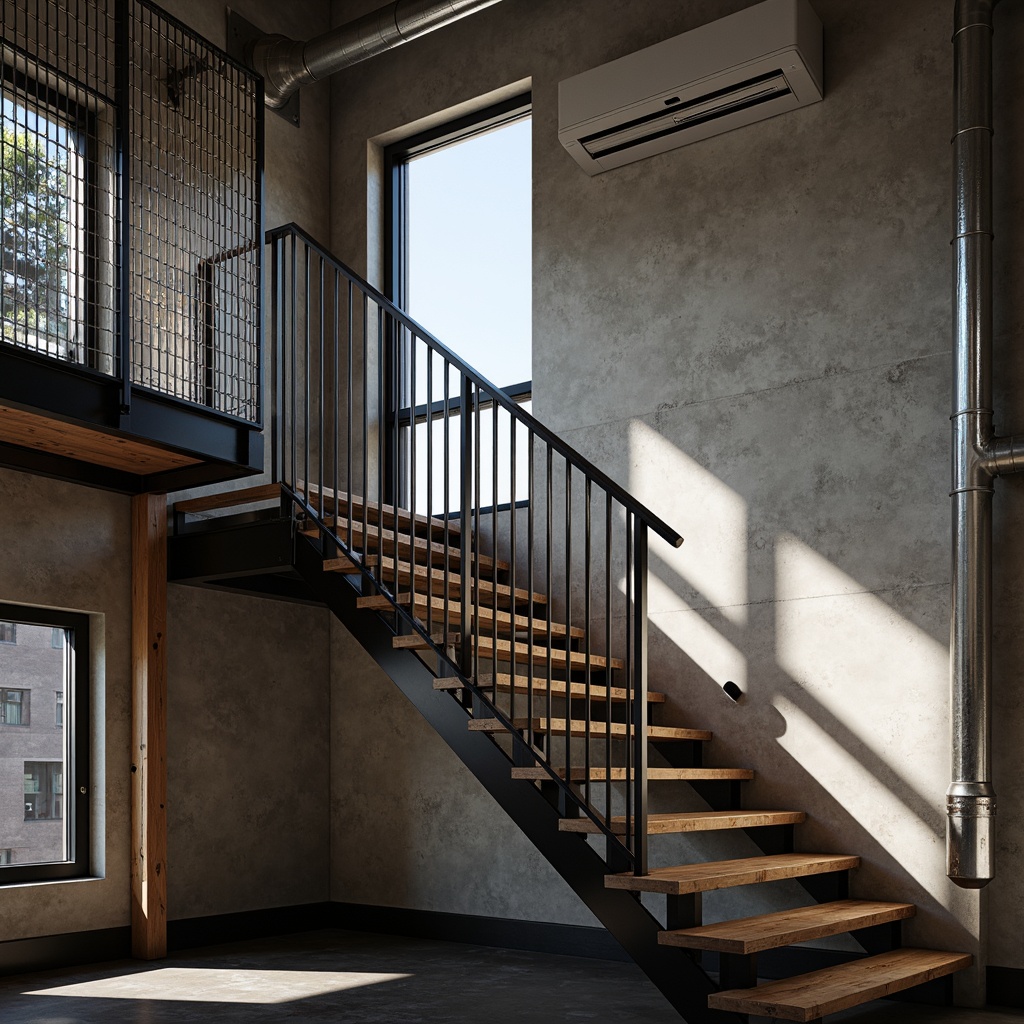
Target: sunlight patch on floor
(216, 985)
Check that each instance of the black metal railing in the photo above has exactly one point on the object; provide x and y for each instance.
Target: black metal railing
(503, 552)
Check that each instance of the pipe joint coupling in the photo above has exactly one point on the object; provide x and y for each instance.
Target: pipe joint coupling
(280, 61)
(970, 809)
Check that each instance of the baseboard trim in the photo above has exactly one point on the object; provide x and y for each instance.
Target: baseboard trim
(73, 949)
(1005, 986)
(192, 932)
(532, 936)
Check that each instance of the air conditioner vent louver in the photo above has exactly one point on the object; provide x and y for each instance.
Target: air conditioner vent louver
(752, 65)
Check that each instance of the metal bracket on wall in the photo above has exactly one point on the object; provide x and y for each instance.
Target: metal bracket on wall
(241, 34)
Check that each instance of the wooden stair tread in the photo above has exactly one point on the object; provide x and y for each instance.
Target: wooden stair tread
(653, 774)
(691, 821)
(724, 874)
(229, 499)
(810, 996)
(577, 660)
(375, 538)
(503, 683)
(435, 576)
(355, 504)
(542, 627)
(598, 730)
(770, 931)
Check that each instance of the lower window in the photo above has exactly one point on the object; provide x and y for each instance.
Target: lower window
(44, 754)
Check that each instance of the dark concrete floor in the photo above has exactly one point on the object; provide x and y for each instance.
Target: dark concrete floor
(372, 979)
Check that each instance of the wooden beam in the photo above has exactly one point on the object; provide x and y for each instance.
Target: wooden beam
(149, 726)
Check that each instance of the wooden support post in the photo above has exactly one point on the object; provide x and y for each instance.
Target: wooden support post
(149, 726)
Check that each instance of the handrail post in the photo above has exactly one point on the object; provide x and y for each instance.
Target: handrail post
(465, 516)
(639, 696)
(277, 318)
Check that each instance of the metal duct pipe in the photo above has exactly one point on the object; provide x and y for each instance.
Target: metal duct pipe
(286, 65)
(970, 799)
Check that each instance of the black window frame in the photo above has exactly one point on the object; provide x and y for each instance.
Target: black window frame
(396, 270)
(25, 702)
(77, 763)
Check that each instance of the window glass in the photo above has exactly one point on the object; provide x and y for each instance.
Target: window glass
(13, 707)
(42, 190)
(44, 761)
(469, 249)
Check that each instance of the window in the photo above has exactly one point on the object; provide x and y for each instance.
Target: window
(459, 263)
(6, 856)
(42, 200)
(57, 638)
(13, 707)
(44, 790)
(8, 633)
(44, 765)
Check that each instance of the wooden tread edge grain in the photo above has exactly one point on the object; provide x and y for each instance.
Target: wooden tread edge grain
(541, 627)
(683, 879)
(503, 684)
(598, 730)
(229, 499)
(653, 774)
(691, 821)
(770, 931)
(807, 997)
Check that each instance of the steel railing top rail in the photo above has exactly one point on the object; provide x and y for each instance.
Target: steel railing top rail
(579, 461)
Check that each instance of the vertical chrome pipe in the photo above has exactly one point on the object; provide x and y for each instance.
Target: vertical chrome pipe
(970, 799)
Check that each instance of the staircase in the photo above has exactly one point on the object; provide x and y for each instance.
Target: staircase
(505, 593)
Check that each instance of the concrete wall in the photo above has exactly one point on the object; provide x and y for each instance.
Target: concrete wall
(753, 334)
(247, 794)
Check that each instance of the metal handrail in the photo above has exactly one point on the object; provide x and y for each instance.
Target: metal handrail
(653, 521)
(328, 323)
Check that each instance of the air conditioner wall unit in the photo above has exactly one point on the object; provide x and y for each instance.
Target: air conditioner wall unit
(751, 65)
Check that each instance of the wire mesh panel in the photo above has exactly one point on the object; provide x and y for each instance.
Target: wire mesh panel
(58, 190)
(194, 213)
(130, 197)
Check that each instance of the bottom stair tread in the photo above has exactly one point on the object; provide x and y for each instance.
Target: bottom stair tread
(810, 996)
(770, 931)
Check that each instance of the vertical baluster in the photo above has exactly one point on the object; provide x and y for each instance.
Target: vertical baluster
(547, 590)
(294, 346)
(477, 545)
(446, 444)
(321, 382)
(366, 413)
(586, 638)
(568, 615)
(348, 439)
(335, 427)
(397, 394)
(430, 498)
(277, 314)
(306, 387)
(513, 423)
(465, 511)
(640, 692)
(530, 523)
(494, 556)
(412, 478)
(609, 677)
(630, 834)
(382, 435)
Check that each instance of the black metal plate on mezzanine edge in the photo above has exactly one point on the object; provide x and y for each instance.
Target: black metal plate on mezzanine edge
(64, 394)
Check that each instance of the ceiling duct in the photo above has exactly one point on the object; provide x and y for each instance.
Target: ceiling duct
(287, 65)
(749, 66)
